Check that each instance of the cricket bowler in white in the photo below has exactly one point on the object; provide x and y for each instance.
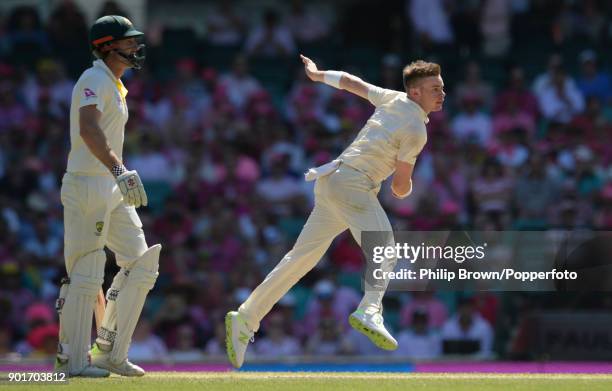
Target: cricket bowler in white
(346, 196)
(100, 197)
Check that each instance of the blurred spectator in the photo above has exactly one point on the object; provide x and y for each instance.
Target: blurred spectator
(15, 298)
(147, 346)
(189, 84)
(346, 254)
(6, 342)
(172, 313)
(449, 184)
(471, 124)
(185, 349)
(516, 100)
(420, 342)
(593, 82)
(430, 20)
(511, 118)
(391, 72)
(277, 343)
(111, 7)
(329, 302)
(216, 345)
(493, 189)
(12, 113)
(536, 191)
(510, 150)
(282, 147)
(25, 38)
(326, 340)
(279, 187)
(495, 23)
(239, 85)
(225, 24)
(306, 25)
(469, 327)
(587, 178)
(271, 38)
(43, 340)
(559, 99)
(66, 23)
(424, 302)
(150, 162)
(603, 220)
(44, 244)
(50, 85)
(38, 329)
(473, 87)
(590, 21)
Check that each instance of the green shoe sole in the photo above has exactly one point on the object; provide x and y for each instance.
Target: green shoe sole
(376, 338)
(229, 345)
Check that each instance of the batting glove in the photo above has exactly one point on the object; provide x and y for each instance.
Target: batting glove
(132, 189)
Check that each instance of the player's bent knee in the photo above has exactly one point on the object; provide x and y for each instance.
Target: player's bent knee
(87, 275)
(83, 285)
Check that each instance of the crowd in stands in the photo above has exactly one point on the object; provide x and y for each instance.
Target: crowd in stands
(222, 151)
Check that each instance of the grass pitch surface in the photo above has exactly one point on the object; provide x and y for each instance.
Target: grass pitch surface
(336, 381)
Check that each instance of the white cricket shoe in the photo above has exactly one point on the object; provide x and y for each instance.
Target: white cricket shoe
(101, 358)
(61, 366)
(237, 338)
(372, 326)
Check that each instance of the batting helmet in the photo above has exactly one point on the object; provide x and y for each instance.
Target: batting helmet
(111, 28)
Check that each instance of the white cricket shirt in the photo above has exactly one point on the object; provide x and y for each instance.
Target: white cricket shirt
(396, 131)
(97, 86)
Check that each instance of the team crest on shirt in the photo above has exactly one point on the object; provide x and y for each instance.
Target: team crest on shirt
(88, 93)
(99, 227)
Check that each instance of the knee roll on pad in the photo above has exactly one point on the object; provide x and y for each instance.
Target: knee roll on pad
(145, 270)
(83, 285)
(87, 274)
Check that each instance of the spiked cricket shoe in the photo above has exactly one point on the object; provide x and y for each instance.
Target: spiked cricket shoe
(372, 326)
(61, 366)
(237, 338)
(101, 358)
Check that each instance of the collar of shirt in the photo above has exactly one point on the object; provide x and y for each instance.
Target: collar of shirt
(118, 83)
(418, 109)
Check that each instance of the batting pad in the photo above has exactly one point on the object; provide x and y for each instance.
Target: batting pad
(107, 331)
(131, 298)
(77, 311)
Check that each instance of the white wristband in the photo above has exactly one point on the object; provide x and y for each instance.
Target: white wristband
(332, 78)
(402, 196)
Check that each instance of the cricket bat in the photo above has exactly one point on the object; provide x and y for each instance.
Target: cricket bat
(99, 310)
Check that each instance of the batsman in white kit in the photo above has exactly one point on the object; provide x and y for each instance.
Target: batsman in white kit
(100, 197)
(346, 193)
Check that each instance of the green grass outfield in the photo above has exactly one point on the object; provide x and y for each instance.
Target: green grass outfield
(337, 381)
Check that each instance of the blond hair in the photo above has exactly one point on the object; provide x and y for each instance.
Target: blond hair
(417, 70)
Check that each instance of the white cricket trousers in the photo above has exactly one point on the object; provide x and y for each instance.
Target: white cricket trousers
(96, 216)
(346, 198)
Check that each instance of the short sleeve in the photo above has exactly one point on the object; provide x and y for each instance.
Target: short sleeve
(91, 92)
(379, 96)
(411, 146)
